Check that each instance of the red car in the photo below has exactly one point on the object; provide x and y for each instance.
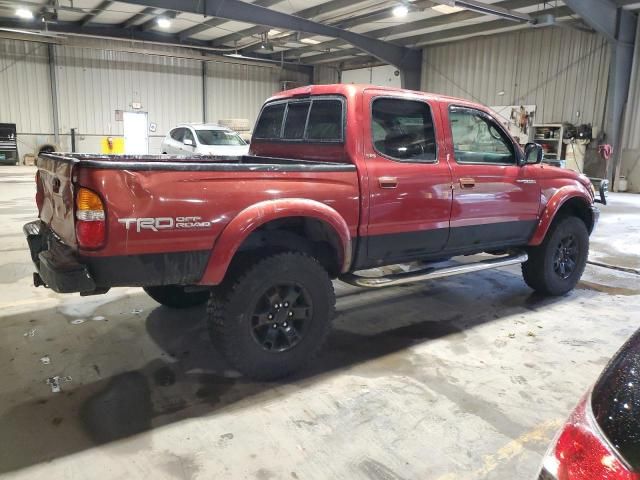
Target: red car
(340, 178)
(601, 438)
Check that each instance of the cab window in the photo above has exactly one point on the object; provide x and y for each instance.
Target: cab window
(477, 138)
(403, 130)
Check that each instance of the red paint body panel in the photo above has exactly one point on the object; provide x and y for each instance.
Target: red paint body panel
(427, 197)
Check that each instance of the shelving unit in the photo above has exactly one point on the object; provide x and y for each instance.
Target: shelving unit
(549, 135)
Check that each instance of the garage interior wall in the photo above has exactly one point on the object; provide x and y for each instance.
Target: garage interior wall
(630, 167)
(25, 92)
(561, 70)
(95, 80)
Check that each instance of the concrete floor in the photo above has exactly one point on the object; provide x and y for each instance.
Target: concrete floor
(462, 378)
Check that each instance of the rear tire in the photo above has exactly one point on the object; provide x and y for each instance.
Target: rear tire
(272, 316)
(174, 296)
(556, 265)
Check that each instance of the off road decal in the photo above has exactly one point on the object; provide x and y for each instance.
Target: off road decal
(164, 223)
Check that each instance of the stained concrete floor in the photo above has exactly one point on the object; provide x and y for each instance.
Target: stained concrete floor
(462, 378)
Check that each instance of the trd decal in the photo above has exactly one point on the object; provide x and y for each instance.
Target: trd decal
(164, 223)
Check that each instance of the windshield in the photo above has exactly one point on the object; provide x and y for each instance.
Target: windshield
(219, 137)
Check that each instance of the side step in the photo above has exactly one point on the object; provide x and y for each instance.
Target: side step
(432, 272)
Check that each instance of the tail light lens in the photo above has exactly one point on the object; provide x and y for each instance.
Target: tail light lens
(90, 219)
(581, 452)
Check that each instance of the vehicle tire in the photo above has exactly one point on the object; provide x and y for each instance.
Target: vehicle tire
(174, 296)
(272, 316)
(556, 265)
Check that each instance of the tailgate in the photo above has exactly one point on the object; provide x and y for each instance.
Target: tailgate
(55, 197)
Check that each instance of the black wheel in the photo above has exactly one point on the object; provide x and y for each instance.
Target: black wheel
(174, 296)
(272, 316)
(556, 265)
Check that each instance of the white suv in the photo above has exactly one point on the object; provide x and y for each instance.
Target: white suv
(205, 139)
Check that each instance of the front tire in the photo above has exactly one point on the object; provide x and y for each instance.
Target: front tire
(175, 296)
(556, 265)
(271, 317)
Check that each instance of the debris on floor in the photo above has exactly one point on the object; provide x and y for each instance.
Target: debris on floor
(56, 383)
(30, 333)
(77, 321)
(46, 360)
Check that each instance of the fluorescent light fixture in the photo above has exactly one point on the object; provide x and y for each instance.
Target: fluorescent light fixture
(274, 32)
(400, 11)
(164, 22)
(24, 13)
(309, 41)
(446, 9)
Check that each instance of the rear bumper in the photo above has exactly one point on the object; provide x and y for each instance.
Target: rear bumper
(65, 271)
(595, 215)
(56, 264)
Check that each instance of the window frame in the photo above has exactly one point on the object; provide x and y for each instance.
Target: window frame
(482, 113)
(305, 139)
(401, 160)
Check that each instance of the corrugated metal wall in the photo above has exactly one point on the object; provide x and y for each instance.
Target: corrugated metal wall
(99, 77)
(630, 167)
(561, 70)
(325, 75)
(25, 93)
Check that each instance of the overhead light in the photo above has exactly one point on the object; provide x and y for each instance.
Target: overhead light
(447, 9)
(309, 41)
(400, 11)
(24, 13)
(274, 32)
(164, 22)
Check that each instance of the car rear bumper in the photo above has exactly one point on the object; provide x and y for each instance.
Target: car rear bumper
(62, 269)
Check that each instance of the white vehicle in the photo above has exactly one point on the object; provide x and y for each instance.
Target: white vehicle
(205, 139)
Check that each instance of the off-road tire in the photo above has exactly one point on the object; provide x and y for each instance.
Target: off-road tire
(232, 317)
(174, 296)
(539, 271)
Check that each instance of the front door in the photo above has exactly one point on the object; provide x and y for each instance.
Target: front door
(409, 179)
(136, 136)
(495, 200)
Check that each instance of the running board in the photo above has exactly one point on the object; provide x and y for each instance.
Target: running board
(432, 272)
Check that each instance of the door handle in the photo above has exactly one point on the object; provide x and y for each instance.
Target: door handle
(466, 182)
(388, 182)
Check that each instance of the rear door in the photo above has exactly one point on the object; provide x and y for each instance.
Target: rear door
(409, 179)
(174, 141)
(495, 201)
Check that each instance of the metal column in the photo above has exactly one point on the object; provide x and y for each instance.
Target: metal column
(204, 91)
(54, 93)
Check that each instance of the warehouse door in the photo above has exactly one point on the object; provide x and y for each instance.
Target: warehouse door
(136, 137)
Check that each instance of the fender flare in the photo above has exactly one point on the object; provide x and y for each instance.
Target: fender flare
(251, 218)
(555, 203)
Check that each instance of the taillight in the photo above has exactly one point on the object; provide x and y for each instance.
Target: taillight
(90, 219)
(582, 453)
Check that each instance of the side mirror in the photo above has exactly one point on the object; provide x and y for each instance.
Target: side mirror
(188, 141)
(532, 154)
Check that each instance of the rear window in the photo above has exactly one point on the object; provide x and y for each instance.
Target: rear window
(318, 120)
(615, 401)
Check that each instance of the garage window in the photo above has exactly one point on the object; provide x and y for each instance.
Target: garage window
(403, 130)
(315, 120)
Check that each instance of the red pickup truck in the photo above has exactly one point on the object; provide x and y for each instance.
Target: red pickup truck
(339, 179)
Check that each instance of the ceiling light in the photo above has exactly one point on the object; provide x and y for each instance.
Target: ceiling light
(24, 13)
(309, 41)
(400, 11)
(164, 22)
(447, 9)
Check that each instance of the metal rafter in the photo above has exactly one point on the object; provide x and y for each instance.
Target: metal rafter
(406, 59)
(131, 21)
(88, 18)
(430, 22)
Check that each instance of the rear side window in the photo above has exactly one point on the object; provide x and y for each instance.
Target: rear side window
(403, 130)
(317, 120)
(270, 123)
(177, 134)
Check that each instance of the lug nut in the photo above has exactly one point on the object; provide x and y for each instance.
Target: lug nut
(269, 316)
(275, 325)
(284, 324)
(286, 304)
(291, 314)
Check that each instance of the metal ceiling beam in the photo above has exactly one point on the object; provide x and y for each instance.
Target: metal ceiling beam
(619, 26)
(305, 13)
(214, 22)
(131, 21)
(88, 18)
(430, 22)
(407, 60)
(488, 9)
